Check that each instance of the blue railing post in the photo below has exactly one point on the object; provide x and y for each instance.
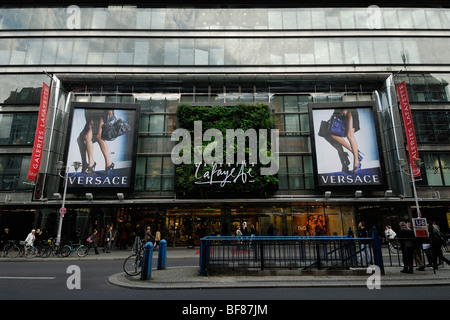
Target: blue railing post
(378, 256)
(204, 251)
(146, 272)
(162, 255)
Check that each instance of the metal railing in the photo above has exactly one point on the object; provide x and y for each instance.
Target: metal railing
(219, 253)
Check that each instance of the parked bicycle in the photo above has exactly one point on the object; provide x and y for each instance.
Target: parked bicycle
(133, 264)
(22, 249)
(50, 248)
(6, 247)
(79, 248)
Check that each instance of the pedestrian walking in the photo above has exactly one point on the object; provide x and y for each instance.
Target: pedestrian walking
(405, 237)
(148, 235)
(108, 240)
(157, 238)
(92, 241)
(437, 241)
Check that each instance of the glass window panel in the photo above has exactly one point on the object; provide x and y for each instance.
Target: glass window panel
(433, 18)
(404, 17)
(419, 19)
(260, 18)
(445, 165)
(390, 18)
(304, 122)
(318, 19)
(381, 51)
(80, 51)
(34, 52)
(49, 51)
(396, 51)
(366, 51)
(140, 165)
(158, 19)
(168, 183)
(306, 51)
(336, 52)
(64, 52)
(141, 50)
(295, 165)
(153, 166)
(290, 104)
(171, 52)
(5, 51)
(18, 51)
(351, 52)
(232, 51)
(432, 169)
(153, 183)
(157, 123)
(347, 18)
(156, 50)
(304, 19)
(282, 165)
(445, 18)
(321, 53)
(99, 18)
(296, 182)
(168, 166)
(289, 19)
(143, 18)
(411, 51)
(292, 122)
(275, 20)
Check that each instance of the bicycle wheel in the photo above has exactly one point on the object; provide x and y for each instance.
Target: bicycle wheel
(133, 265)
(64, 251)
(82, 251)
(31, 252)
(13, 252)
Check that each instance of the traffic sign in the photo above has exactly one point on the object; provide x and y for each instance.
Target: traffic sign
(420, 227)
(62, 210)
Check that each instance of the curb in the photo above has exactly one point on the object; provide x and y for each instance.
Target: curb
(188, 278)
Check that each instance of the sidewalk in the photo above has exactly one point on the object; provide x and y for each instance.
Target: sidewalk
(188, 278)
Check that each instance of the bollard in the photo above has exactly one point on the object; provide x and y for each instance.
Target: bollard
(378, 256)
(146, 272)
(162, 255)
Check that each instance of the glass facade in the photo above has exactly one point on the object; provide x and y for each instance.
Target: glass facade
(286, 59)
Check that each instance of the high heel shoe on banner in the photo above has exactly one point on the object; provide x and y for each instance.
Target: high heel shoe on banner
(90, 169)
(109, 168)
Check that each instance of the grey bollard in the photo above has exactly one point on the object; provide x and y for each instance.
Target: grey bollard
(162, 255)
(147, 261)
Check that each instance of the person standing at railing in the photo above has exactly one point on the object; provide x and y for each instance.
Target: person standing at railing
(406, 239)
(365, 253)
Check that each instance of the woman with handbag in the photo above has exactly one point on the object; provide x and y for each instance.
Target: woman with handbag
(343, 124)
(92, 241)
(92, 132)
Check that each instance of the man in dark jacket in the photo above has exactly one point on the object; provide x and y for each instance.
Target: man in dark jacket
(437, 240)
(405, 237)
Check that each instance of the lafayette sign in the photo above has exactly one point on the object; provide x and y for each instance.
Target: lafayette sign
(38, 145)
(409, 128)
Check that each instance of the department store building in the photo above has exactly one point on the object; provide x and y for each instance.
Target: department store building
(143, 63)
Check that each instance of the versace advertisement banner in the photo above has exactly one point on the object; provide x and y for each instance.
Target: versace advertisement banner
(345, 144)
(102, 146)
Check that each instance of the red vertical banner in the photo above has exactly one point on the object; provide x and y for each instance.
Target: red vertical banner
(40, 134)
(409, 128)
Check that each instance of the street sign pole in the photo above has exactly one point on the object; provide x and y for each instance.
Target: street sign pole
(63, 209)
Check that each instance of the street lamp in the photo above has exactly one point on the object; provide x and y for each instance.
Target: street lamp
(418, 162)
(60, 166)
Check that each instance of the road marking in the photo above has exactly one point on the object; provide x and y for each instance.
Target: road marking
(29, 278)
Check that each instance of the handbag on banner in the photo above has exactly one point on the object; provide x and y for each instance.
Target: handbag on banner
(114, 128)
